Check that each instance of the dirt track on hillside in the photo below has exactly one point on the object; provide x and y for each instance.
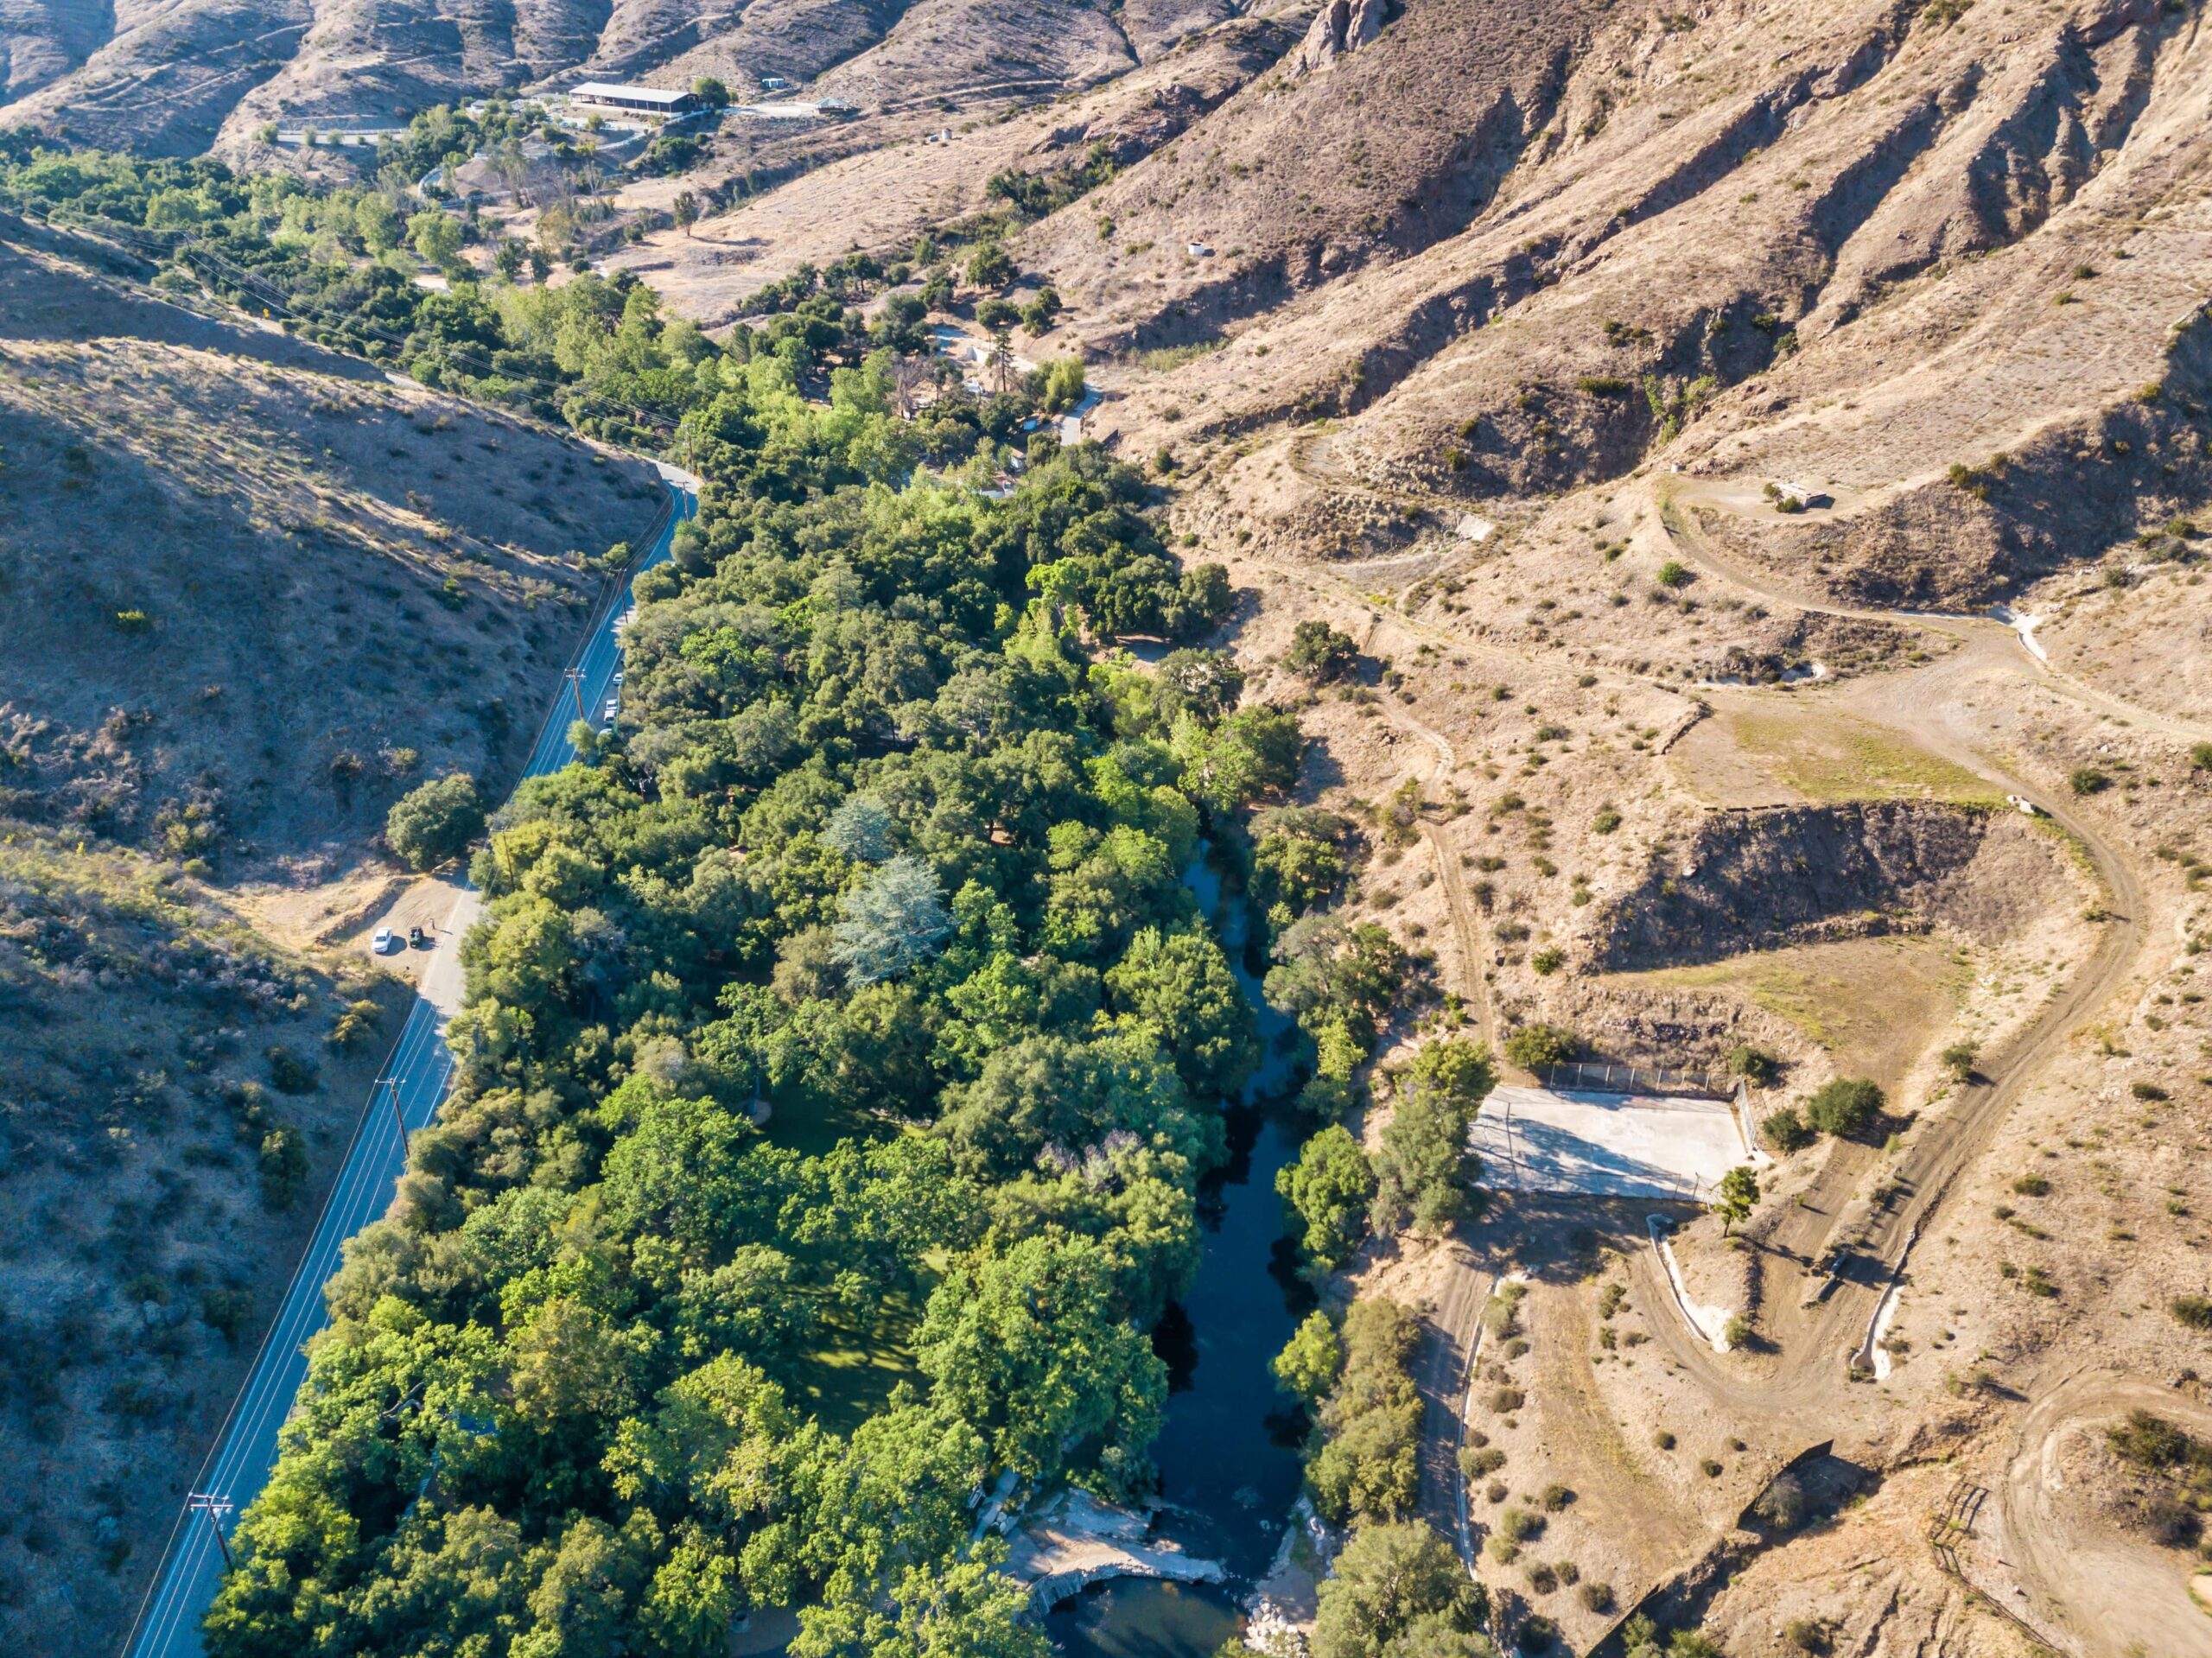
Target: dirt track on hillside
(1839, 1283)
(1825, 1290)
(2119, 1596)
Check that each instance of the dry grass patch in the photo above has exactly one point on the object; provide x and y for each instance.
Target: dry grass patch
(1873, 1003)
(1770, 751)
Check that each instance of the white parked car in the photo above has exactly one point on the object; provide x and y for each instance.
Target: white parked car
(613, 706)
(385, 942)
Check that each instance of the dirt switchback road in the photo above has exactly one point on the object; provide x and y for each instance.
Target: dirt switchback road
(1821, 1312)
(1817, 1332)
(2117, 1597)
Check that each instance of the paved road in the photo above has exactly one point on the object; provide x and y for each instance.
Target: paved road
(595, 668)
(416, 1076)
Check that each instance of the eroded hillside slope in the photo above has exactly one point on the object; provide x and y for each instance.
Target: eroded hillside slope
(180, 80)
(1895, 246)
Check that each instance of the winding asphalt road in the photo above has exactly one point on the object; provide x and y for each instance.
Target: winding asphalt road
(414, 1079)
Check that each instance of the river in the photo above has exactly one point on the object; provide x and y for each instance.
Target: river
(1227, 1454)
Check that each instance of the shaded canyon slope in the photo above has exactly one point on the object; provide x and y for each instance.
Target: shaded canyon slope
(1846, 249)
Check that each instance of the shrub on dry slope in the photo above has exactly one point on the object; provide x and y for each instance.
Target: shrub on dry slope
(1846, 1106)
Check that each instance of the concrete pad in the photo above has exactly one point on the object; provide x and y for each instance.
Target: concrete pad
(1667, 1146)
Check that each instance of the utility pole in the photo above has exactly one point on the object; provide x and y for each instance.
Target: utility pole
(397, 1116)
(575, 677)
(213, 1507)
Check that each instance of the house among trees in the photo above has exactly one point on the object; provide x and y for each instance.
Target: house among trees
(643, 100)
(524, 170)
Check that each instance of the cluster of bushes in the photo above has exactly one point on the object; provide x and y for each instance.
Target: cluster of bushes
(846, 281)
(1337, 980)
(1421, 1177)
(436, 820)
(1424, 1174)
(1642, 1637)
(2171, 1510)
(1538, 1047)
(1300, 861)
(1320, 652)
(1365, 1463)
(280, 1148)
(1397, 1591)
(1849, 1107)
(1035, 194)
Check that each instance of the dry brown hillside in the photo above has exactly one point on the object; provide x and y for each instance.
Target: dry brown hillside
(283, 594)
(1665, 498)
(1342, 154)
(178, 80)
(251, 591)
(927, 172)
(1892, 245)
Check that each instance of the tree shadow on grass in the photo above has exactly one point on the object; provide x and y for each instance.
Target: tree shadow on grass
(845, 1376)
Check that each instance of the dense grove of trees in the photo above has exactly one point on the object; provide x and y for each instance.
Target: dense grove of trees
(340, 266)
(886, 853)
(435, 821)
(885, 856)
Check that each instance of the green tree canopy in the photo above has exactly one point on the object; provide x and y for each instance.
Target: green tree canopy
(436, 820)
(892, 923)
(1846, 1106)
(1328, 1191)
(1032, 1348)
(1397, 1587)
(1179, 985)
(1537, 1047)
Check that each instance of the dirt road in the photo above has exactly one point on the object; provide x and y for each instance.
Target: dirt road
(1979, 633)
(1454, 1323)
(2116, 1597)
(1824, 1289)
(1929, 706)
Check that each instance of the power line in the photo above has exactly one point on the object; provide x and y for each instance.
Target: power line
(397, 1116)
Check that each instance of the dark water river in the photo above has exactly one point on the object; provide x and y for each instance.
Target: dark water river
(1228, 1457)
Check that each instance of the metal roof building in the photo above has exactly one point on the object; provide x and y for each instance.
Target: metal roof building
(649, 100)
